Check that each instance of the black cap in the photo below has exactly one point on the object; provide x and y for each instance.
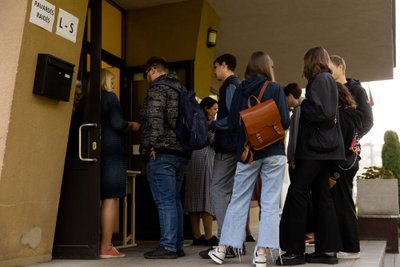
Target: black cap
(156, 61)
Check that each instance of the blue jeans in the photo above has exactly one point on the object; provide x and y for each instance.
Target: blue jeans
(165, 175)
(272, 174)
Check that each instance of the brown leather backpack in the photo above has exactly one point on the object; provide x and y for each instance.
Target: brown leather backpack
(262, 124)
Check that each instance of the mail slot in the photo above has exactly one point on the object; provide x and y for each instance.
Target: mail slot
(53, 77)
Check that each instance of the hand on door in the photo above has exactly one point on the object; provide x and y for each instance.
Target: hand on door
(133, 126)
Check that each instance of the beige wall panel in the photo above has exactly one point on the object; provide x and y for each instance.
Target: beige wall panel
(170, 31)
(358, 30)
(10, 45)
(36, 141)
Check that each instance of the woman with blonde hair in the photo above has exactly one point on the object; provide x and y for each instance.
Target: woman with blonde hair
(113, 169)
(269, 161)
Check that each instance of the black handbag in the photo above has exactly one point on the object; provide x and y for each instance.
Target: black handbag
(324, 137)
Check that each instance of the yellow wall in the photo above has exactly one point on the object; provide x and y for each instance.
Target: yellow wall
(34, 130)
(203, 64)
(111, 29)
(170, 31)
(176, 32)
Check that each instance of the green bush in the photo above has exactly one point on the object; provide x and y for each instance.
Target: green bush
(374, 172)
(391, 153)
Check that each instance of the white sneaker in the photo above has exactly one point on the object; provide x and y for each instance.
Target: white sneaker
(216, 255)
(259, 260)
(348, 255)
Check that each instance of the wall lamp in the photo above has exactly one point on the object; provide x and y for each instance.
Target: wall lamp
(211, 37)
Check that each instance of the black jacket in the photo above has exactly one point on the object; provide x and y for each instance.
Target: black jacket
(320, 106)
(363, 105)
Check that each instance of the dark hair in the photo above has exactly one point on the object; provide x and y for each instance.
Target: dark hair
(315, 60)
(260, 64)
(207, 103)
(229, 59)
(294, 89)
(337, 61)
(156, 62)
(345, 97)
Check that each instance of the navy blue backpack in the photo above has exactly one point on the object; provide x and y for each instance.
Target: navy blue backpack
(191, 128)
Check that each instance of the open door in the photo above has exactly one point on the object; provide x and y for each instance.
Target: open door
(147, 221)
(77, 231)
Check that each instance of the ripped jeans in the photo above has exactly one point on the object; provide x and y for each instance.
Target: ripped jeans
(272, 170)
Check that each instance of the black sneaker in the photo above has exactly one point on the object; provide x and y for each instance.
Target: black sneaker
(230, 253)
(322, 257)
(180, 253)
(160, 253)
(289, 259)
(199, 241)
(204, 253)
(213, 241)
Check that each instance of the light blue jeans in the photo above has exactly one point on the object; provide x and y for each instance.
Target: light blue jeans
(272, 175)
(165, 174)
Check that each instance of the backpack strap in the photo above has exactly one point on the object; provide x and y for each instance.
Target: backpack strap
(247, 155)
(261, 94)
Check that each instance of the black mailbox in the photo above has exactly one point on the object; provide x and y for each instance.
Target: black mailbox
(53, 77)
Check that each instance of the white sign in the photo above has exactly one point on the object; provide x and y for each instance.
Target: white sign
(67, 25)
(42, 14)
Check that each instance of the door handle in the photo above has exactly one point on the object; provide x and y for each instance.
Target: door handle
(80, 141)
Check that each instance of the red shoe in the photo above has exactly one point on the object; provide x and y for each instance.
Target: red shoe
(110, 253)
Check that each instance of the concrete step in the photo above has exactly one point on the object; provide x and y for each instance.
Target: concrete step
(372, 255)
(391, 260)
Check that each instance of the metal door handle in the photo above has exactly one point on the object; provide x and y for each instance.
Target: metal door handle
(80, 141)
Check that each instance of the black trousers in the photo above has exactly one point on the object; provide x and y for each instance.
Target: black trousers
(310, 209)
(342, 194)
(308, 174)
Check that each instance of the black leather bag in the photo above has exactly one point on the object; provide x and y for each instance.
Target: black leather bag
(324, 138)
